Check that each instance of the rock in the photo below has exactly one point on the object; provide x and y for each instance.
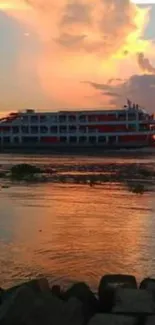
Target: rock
(110, 319)
(37, 285)
(56, 291)
(14, 309)
(133, 301)
(1, 294)
(47, 310)
(82, 292)
(74, 312)
(26, 307)
(108, 285)
(150, 320)
(148, 284)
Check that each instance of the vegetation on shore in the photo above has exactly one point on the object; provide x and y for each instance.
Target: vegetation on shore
(134, 176)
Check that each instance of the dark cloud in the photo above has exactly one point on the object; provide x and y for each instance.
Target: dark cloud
(115, 80)
(145, 64)
(140, 89)
(108, 93)
(76, 12)
(70, 40)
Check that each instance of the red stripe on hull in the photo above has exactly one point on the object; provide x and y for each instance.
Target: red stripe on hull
(49, 139)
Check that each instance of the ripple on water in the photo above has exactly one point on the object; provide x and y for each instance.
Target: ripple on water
(74, 232)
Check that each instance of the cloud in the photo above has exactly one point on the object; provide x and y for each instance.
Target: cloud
(145, 64)
(70, 40)
(77, 12)
(139, 88)
(83, 40)
(105, 24)
(101, 27)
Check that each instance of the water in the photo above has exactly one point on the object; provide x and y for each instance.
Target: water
(71, 232)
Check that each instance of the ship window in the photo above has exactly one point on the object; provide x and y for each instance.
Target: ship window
(16, 140)
(143, 127)
(63, 129)
(72, 118)
(54, 129)
(43, 118)
(82, 118)
(15, 129)
(82, 129)
(29, 140)
(131, 116)
(92, 129)
(141, 116)
(112, 139)
(82, 139)
(25, 118)
(54, 118)
(92, 139)
(63, 139)
(122, 116)
(6, 129)
(73, 139)
(62, 118)
(6, 140)
(34, 118)
(72, 129)
(101, 139)
(44, 129)
(34, 129)
(91, 118)
(132, 127)
(25, 129)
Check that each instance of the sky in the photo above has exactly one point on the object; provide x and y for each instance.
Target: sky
(64, 54)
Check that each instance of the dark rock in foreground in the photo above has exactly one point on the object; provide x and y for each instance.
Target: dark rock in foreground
(132, 301)
(119, 302)
(82, 292)
(107, 289)
(108, 319)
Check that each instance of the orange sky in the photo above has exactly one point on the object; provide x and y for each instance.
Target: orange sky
(74, 53)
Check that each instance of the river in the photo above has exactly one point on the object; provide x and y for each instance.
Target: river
(70, 232)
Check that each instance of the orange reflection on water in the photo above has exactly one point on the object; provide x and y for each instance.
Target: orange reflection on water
(69, 232)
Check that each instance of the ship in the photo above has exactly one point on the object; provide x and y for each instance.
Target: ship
(128, 127)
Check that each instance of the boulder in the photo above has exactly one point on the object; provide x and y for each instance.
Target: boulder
(133, 301)
(37, 285)
(82, 292)
(110, 319)
(108, 285)
(56, 291)
(148, 284)
(49, 310)
(1, 295)
(73, 312)
(27, 307)
(46, 310)
(150, 320)
(15, 309)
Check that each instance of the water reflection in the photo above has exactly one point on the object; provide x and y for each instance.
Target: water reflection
(69, 232)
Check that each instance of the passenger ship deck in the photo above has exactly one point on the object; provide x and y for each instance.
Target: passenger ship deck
(127, 127)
